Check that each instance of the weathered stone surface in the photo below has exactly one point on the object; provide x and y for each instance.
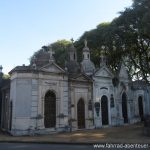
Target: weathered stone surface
(76, 92)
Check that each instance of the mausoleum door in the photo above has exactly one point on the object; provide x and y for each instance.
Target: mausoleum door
(81, 114)
(140, 103)
(50, 110)
(104, 110)
(124, 108)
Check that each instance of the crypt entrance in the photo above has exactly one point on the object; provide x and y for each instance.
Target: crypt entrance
(81, 114)
(140, 104)
(124, 108)
(104, 110)
(50, 110)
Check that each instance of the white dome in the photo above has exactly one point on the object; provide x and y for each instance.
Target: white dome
(88, 67)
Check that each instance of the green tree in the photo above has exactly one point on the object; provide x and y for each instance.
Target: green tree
(126, 38)
(60, 49)
(96, 39)
(131, 28)
(6, 76)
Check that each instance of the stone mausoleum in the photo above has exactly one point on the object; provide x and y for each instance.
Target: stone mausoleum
(43, 97)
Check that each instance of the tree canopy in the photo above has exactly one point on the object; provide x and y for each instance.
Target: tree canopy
(131, 29)
(126, 38)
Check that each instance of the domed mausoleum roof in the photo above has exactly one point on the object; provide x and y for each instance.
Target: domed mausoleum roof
(86, 49)
(88, 66)
(41, 58)
(73, 67)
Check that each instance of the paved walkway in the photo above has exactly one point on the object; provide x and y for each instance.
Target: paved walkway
(123, 134)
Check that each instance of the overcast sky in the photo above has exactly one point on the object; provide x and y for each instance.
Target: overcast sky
(27, 25)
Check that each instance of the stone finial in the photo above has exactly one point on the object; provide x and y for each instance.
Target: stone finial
(103, 58)
(51, 53)
(72, 45)
(1, 68)
(86, 49)
(114, 45)
(85, 43)
(72, 40)
(103, 47)
(72, 48)
(102, 51)
(34, 62)
(72, 51)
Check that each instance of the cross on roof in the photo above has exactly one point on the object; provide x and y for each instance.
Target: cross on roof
(72, 40)
(51, 52)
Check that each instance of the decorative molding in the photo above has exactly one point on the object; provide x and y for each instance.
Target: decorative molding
(50, 83)
(103, 88)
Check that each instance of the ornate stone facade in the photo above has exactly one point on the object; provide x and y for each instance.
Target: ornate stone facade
(47, 98)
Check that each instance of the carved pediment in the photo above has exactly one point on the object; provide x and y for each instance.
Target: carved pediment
(82, 77)
(104, 72)
(52, 67)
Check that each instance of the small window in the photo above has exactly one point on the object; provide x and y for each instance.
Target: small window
(83, 56)
(88, 56)
(74, 56)
(112, 104)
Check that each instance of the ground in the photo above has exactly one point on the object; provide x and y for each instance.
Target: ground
(122, 134)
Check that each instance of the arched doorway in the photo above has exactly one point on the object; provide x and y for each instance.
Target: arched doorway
(50, 110)
(81, 114)
(140, 103)
(104, 110)
(124, 108)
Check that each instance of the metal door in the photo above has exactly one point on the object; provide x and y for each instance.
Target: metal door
(124, 108)
(50, 110)
(140, 103)
(104, 110)
(81, 114)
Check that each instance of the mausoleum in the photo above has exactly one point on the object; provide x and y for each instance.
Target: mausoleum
(43, 97)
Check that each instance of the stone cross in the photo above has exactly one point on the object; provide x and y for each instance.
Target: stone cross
(72, 40)
(51, 52)
(34, 62)
(103, 57)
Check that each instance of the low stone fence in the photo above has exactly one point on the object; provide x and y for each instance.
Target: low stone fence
(147, 125)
